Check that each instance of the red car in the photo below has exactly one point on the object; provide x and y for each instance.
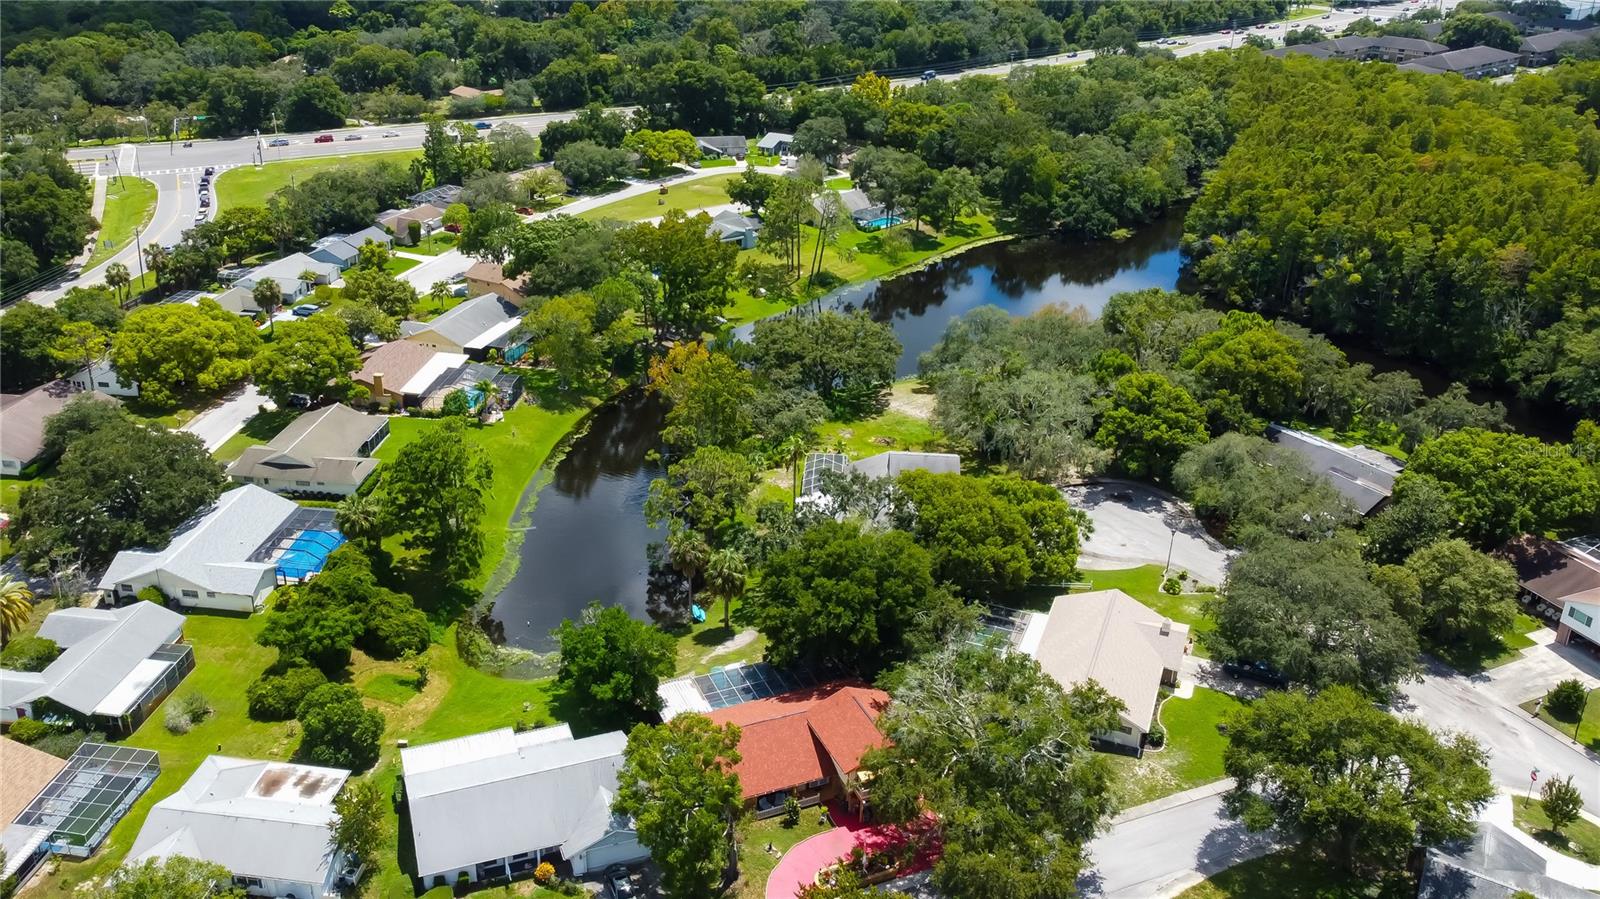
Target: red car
(324, 139)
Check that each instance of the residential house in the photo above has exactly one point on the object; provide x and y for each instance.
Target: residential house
(888, 464)
(473, 327)
(1560, 582)
(344, 250)
(427, 216)
(467, 377)
(328, 451)
(102, 377)
(1544, 49)
(775, 143)
(1116, 641)
(731, 146)
(1492, 865)
(22, 420)
(497, 804)
(268, 823)
(441, 196)
(490, 277)
(402, 374)
(1469, 62)
(115, 667)
(806, 744)
(1364, 477)
(231, 556)
(25, 772)
(296, 275)
(239, 301)
(731, 227)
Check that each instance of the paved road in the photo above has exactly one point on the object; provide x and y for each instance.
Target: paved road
(217, 424)
(1452, 701)
(1141, 528)
(1180, 842)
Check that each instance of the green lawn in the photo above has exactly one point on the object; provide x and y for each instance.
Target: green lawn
(842, 182)
(755, 862)
(1471, 660)
(696, 194)
(398, 264)
(517, 447)
(433, 244)
(170, 417)
(11, 491)
(250, 186)
(1305, 12)
(1294, 873)
(697, 643)
(718, 162)
(261, 427)
(129, 204)
(1381, 436)
(1581, 838)
(1192, 756)
(1584, 730)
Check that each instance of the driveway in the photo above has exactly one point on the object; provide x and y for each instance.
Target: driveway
(1139, 528)
(217, 424)
(1539, 668)
(1447, 700)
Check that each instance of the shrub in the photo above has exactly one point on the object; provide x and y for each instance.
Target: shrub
(1566, 699)
(1156, 737)
(195, 706)
(1171, 586)
(29, 654)
(544, 872)
(28, 730)
(176, 719)
(338, 730)
(791, 812)
(62, 744)
(153, 594)
(275, 697)
(395, 627)
(414, 232)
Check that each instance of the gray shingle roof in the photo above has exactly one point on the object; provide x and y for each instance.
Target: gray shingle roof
(1363, 476)
(475, 320)
(772, 139)
(498, 793)
(1544, 43)
(324, 445)
(1463, 59)
(214, 549)
(292, 265)
(102, 647)
(255, 818)
(725, 144)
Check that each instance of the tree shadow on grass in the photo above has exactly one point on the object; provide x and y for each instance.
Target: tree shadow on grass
(266, 425)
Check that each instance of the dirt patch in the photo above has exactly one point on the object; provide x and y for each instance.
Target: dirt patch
(912, 398)
(736, 642)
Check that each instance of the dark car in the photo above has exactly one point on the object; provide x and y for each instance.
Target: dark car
(307, 310)
(205, 200)
(1259, 672)
(929, 75)
(279, 142)
(481, 126)
(323, 139)
(210, 170)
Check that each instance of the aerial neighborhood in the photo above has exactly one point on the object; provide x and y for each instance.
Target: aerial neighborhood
(747, 450)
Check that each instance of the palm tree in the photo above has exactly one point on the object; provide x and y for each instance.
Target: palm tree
(117, 277)
(725, 577)
(690, 553)
(794, 449)
(16, 606)
(268, 296)
(360, 517)
(488, 392)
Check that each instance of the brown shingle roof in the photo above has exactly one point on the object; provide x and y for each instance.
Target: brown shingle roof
(397, 361)
(806, 735)
(22, 417)
(1549, 570)
(24, 771)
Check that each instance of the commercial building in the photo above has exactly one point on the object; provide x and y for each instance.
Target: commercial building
(1544, 49)
(496, 804)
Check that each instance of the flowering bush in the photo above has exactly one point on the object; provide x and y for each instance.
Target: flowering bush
(545, 872)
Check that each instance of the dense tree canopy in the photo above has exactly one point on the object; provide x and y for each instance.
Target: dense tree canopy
(1252, 488)
(433, 494)
(175, 349)
(677, 782)
(613, 663)
(313, 358)
(847, 360)
(1503, 485)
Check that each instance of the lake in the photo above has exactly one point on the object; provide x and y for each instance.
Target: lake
(588, 537)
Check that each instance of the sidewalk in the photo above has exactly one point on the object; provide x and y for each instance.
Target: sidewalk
(1561, 867)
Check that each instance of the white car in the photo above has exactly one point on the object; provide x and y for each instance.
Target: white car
(391, 134)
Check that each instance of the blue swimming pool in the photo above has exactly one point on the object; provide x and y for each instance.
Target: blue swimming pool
(882, 222)
(308, 553)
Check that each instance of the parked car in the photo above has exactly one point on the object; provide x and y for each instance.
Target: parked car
(453, 228)
(278, 142)
(210, 170)
(481, 126)
(307, 310)
(323, 139)
(391, 134)
(1260, 672)
(618, 884)
(352, 137)
(205, 200)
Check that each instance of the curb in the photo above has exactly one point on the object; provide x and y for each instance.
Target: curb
(1215, 788)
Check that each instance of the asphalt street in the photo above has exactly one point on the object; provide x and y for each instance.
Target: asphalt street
(1162, 849)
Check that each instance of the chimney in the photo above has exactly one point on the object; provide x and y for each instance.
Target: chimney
(377, 385)
(1166, 627)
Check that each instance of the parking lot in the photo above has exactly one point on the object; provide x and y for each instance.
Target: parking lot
(1135, 524)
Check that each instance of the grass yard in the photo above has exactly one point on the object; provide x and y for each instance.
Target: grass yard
(1381, 436)
(1294, 873)
(1471, 660)
(173, 418)
(1585, 730)
(261, 427)
(755, 862)
(1581, 840)
(890, 430)
(1304, 12)
(433, 244)
(129, 204)
(251, 186)
(517, 446)
(842, 182)
(398, 264)
(697, 194)
(11, 491)
(719, 162)
(698, 643)
(1193, 753)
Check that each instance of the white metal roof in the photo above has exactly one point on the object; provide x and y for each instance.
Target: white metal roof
(256, 818)
(504, 793)
(214, 549)
(125, 694)
(102, 649)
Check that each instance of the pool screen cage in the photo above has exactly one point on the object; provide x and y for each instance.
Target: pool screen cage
(81, 804)
(301, 544)
(816, 465)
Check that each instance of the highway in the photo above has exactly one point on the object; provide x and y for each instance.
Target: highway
(175, 168)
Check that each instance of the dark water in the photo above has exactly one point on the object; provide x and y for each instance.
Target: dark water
(1019, 276)
(588, 534)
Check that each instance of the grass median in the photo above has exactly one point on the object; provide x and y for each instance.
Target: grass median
(251, 186)
(130, 202)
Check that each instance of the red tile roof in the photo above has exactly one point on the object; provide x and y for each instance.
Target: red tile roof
(795, 738)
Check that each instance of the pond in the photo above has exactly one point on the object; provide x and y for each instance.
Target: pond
(587, 535)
